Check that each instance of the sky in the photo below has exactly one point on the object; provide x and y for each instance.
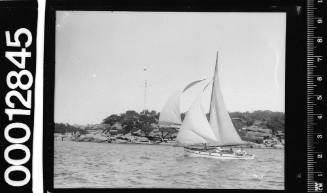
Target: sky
(101, 57)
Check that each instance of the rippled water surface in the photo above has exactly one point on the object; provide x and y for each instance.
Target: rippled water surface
(104, 165)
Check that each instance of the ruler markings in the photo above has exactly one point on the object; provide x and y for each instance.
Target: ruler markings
(312, 57)
(310, 94)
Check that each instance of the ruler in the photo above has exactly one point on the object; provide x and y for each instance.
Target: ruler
(316, 95)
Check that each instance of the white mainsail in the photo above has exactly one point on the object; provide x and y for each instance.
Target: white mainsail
(197, 129)
(220, 120)
(171, 114)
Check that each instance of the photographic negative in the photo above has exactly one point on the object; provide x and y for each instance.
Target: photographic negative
(169, 99)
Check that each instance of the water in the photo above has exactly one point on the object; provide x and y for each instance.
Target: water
(104, 165)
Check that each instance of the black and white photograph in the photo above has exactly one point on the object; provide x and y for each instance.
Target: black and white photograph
(169, 100)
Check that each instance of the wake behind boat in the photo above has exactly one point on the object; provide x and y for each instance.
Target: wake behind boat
(199, 136)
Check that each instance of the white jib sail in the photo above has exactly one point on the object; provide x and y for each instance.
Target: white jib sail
(171, 113)
(195, 128)
(220, 120)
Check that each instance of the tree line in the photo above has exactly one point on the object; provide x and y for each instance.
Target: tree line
(132, 121)
(265, 119)
(67, 128)
(146, 121)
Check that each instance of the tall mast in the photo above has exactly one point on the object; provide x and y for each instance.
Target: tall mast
(213, 82)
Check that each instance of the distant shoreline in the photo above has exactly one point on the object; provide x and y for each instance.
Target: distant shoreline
(264, 129)
(250, 146)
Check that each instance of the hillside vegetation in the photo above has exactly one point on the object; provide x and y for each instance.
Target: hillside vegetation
(252, 126)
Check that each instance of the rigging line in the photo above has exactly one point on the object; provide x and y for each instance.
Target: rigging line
(207, 85)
